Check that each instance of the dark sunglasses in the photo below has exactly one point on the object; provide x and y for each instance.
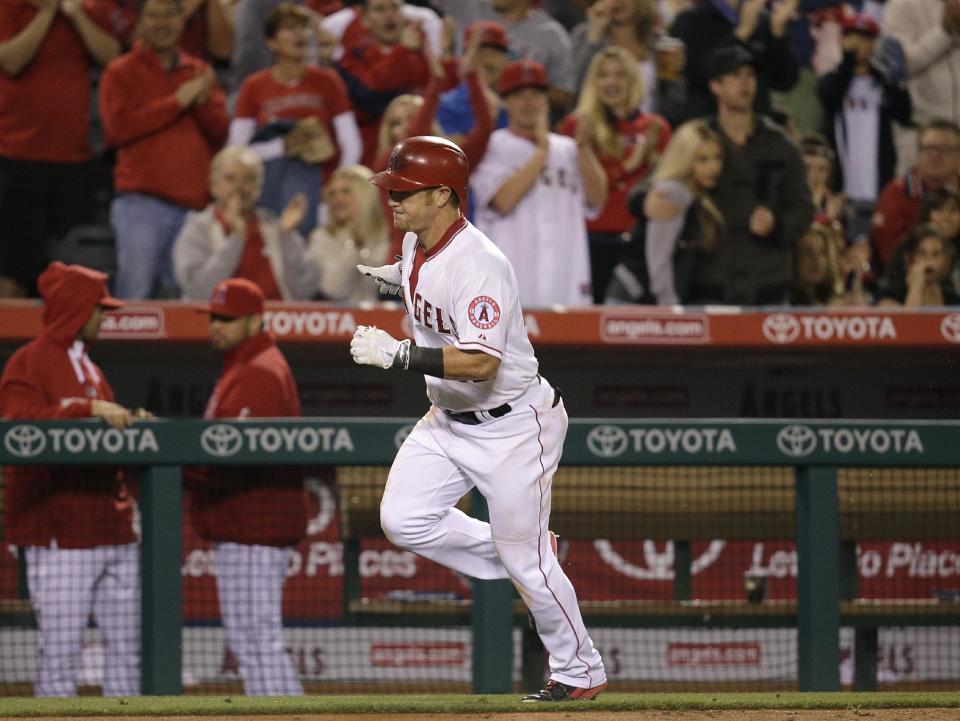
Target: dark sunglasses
(223, 318)
(398, 196)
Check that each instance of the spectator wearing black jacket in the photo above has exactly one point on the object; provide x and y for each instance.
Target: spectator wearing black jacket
(762, 191)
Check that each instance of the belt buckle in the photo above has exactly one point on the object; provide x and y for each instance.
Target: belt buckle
(468, 418)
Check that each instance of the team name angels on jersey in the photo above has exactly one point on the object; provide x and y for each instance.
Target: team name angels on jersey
(463, 293)
(430, 315)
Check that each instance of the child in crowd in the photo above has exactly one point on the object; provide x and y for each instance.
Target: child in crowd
(816, 275)
(927, 259)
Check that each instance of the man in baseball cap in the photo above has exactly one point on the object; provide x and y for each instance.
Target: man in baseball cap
(74, 524)
(533, 191)
(235, 298)
(709, 26)
(728, 59)
(522, 74)
(251, 515)
(492, 34)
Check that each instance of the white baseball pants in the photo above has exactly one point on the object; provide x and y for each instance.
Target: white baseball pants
(511, 461)
(250, 582)
(66, 586)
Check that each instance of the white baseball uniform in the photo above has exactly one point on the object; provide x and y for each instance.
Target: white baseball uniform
(545, 235)
(463, 292)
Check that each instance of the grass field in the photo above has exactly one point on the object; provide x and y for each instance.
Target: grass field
(458, 704)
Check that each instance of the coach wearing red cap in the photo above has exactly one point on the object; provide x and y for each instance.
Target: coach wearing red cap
(74, 523)
(252, 515)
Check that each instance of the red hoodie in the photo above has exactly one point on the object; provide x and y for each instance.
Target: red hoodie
(264, 505)
(52, 377)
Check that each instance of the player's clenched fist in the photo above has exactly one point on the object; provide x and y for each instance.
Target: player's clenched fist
(371, 346)
(388, 277)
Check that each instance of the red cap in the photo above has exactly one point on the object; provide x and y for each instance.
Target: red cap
(492, 34)
(76, 280)
(522, 74)
(235, 298)
(860, 23)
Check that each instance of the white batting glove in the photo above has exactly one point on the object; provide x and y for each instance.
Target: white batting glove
(388, 277)
(371, 346)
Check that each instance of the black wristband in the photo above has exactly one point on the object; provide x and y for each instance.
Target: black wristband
(428, 361)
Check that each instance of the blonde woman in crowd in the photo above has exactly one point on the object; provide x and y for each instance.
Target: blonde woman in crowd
(357, 232)
(674, 256)
(636, 27)
(626, 141)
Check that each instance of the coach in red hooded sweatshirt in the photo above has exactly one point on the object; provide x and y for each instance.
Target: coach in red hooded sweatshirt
(252, 515)
(74, 523)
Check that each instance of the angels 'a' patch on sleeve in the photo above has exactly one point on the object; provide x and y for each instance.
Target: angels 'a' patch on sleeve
(484, 312)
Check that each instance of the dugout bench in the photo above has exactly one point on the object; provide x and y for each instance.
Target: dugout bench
(684, 504)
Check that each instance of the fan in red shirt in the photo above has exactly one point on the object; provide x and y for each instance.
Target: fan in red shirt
(937, 166)
(47, 51)
(627, 143)
(383, 57)
(165, 114)
(295, 116)
(74, 523)
(253, 515)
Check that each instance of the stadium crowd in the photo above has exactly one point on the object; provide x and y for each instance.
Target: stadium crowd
(747, 152)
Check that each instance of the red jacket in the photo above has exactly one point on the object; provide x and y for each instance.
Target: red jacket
(49, 378)
(162, 149)
(374, 75)
(261, 505)
(896, 213)
(45, 109)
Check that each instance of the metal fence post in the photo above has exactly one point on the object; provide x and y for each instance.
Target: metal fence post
(162, 591)
(818, 579)
(492, 626)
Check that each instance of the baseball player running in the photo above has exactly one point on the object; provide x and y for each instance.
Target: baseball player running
(494, 423)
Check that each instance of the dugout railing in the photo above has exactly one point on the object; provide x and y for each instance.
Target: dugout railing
(791, 472)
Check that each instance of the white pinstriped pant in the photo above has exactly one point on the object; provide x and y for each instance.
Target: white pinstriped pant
(511, 461)
(250, 586)
(66, 586)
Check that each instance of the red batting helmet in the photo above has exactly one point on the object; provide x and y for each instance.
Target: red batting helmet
(425, 161)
